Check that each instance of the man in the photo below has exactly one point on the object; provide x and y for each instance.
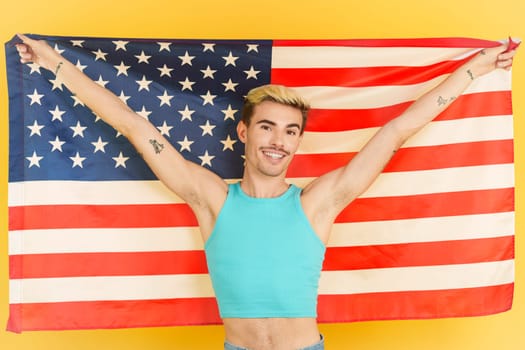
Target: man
(265, 239)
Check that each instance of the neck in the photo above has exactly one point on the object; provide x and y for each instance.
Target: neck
(267, 187)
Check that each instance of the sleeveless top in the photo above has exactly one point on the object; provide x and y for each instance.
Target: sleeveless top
(263, 257)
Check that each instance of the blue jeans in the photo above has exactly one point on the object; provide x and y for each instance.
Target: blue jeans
(317, 346)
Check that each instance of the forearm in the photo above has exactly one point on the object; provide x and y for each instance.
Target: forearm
(431, 104)
(101, 101)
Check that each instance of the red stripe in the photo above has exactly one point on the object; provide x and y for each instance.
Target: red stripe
(412, 158)
(415, 304)
(190, 262)
(429, 205)
(113, 314)
(332, 308)
(415, 42)
(107, 264)
(362, 209)
(419, 254)
(87, 216)
(362, 76)
(493, 103)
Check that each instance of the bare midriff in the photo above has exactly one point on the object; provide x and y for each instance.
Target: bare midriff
(271, 333)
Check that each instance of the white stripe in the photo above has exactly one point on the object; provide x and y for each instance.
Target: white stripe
(354, 57)
(448, 228)
(42, 290)
(104, 240)
(435, 133)
(417, 278)
(136, 192)
(89, 192)
(407, 183)
(327, 97)
(442, 180)
(188, 238)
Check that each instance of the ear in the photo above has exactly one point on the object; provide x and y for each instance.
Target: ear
(242, 130)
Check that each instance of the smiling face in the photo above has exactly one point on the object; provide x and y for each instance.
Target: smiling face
(271, 138)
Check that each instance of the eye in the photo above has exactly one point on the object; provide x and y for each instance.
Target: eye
(265, 127)
(292, 132)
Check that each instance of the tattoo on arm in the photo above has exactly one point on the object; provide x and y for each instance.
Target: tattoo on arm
(157, 146)
(443, 101)
(471, 76)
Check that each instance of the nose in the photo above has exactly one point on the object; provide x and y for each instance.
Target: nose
(277, 139)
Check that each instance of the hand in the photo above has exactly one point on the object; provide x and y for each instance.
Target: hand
(492, 58)
(39, 52)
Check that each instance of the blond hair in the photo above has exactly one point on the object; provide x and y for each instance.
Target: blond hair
(275, 93)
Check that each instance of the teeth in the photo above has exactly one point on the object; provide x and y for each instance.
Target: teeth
(274, 155)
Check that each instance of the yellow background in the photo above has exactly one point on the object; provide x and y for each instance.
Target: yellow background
(279, 19)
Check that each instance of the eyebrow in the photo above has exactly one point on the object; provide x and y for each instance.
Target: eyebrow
(266, 121)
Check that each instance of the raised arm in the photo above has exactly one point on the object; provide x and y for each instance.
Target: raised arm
(326, 196)
(200, 188)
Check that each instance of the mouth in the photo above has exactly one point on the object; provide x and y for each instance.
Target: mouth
(274, 155)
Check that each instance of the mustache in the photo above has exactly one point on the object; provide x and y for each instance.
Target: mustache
(276, 149)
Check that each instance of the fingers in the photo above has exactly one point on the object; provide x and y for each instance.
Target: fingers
(504, 60)
(24, 50)
(25, 39)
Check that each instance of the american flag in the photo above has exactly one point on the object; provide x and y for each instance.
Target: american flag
(96, 241)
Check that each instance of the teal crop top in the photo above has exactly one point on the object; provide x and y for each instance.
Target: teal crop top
(264, 258)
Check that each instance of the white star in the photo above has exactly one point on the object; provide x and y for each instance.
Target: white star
(229, 85)
(57, 84)
(230, 59)
(186, 59)
(57, 113)
(206, 159)
(78, 130)
(143, 58)
(228, 143)
(77, 42)
(252, 47)
(208, 98)
(35, 129)
(165, 71)
(187, 84)
(123, 97)
(35, 97)
(165, 99)
(208, 47)
(77, 160)
(99, 55)
(122, 69)
(207, 128)
(120, 45)
(165, 129)
(186, 113)
(229, 113)
(164, 46)
(57, 144)
(101, 81)
(80, 66)
(76, 101)
(143, 84)
(208, 73)
(35, 67)
(57, 49)
(144, 113)
(120, 160)
(34, 160)
(252, 73)
(99, 145)
(185, 144)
